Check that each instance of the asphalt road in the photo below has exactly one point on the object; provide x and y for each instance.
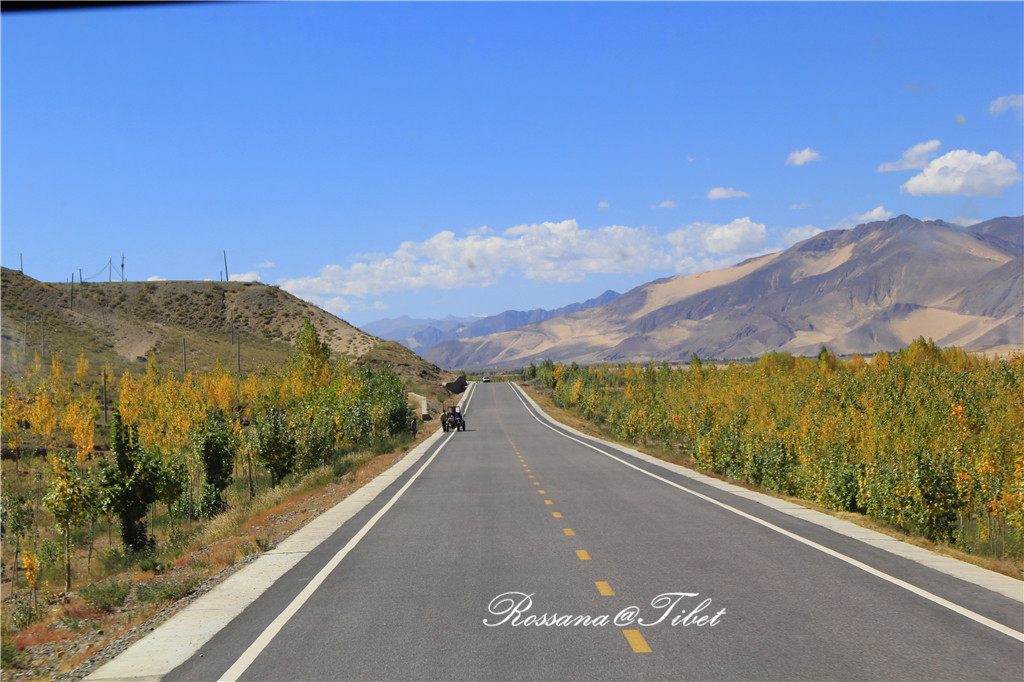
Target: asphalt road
(514, 551)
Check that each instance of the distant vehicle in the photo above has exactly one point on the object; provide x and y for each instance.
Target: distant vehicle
(487, 380)
(452, 420)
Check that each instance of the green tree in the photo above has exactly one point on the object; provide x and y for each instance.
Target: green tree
(273, 444)
(214, 442)
(68, 499)
(18, 521)
(311, 357)
(129, 482)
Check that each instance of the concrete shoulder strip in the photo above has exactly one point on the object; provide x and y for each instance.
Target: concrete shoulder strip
(176, 640)
(997, 582)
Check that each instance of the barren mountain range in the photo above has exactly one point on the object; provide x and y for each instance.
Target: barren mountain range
(421, 334)
(874, 287)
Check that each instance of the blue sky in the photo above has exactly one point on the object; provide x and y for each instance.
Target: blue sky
(428, 159)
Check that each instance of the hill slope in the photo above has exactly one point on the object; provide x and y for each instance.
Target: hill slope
(232, 323)
(874, 287)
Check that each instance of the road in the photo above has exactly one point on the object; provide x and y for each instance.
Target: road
(514, 550)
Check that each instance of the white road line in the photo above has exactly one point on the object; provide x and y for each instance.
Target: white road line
(249, 655)
(261, 642)
(956, 608)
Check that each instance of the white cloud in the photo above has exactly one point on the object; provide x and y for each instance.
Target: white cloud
(965, 222)
(480, 230)
(855, 219)
(549, 252)
(726, 193)
(264, 265)
(252, 276)
(157, 278)
(800, 206)
(916, 157)
(964, 173)
(1007, 103)
(665, 204)
(799, 157)
(741, 236)
(602, 205)
(798, 234)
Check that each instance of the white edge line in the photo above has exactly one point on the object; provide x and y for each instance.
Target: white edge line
(260, 643)
(977, 617)
(271, 631)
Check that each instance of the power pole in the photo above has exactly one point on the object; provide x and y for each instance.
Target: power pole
(122, 266)
(226, 277)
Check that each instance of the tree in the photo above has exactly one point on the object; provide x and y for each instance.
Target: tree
(214, 442)
(130, 481)
(311, 357)
(18, 521)
(273, 444)
(68, 501)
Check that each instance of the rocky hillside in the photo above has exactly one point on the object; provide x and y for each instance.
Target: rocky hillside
(874, 287)
(232, 323)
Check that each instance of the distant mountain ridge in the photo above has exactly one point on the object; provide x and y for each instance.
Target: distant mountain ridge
(421, 334)
(873, 287)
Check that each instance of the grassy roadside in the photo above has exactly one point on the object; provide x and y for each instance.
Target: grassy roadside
(76, 633)
(543, 397)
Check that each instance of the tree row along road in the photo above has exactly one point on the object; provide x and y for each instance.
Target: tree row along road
(514, 551)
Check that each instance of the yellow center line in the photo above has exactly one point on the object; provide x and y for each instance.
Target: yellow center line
(568, 531)
(637, 641)
(557, 515)
(541, 492)
(536, 483)
(532, 476)
(548, 502)
(604, 588)
(582, 554)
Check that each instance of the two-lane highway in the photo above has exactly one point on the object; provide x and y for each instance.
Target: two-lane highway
(518, 550)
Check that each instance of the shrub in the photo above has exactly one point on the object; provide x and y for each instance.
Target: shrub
(108, 594)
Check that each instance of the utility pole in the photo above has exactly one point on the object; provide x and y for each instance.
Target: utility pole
(21, 263)
(110, 265)
(122, 266)
(226, 277)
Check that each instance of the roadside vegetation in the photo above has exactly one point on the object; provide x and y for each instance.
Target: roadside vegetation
(191, 472)
(927, 440)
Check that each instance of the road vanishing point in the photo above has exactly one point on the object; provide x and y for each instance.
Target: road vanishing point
(521, 549)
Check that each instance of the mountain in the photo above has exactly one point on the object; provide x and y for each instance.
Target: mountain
(120, 323)
(874, 287)
(419, 335)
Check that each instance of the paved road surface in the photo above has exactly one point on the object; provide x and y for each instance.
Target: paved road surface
(511, 521)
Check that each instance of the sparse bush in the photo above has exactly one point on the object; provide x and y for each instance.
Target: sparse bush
(107, 595)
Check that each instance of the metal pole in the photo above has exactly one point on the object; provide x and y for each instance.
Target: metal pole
(227, 278)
